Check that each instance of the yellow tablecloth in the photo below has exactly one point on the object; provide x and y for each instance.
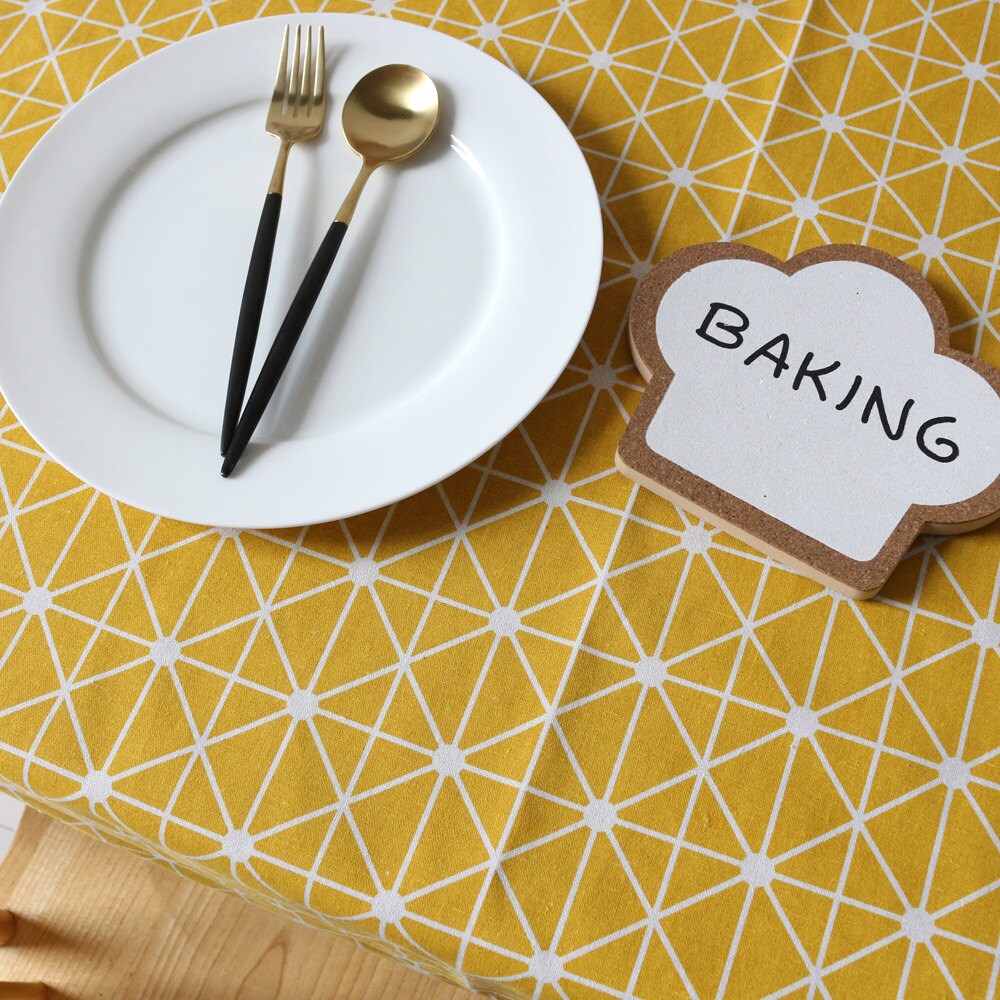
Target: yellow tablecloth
(535, 729)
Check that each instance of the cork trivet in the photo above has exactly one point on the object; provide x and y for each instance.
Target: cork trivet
(808, 398)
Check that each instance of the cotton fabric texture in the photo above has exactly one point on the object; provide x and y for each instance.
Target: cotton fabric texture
(534, 729)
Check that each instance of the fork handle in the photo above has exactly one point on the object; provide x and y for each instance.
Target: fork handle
(284, 343)
(250, 311)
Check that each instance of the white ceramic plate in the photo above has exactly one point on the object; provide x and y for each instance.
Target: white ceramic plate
(461, 291)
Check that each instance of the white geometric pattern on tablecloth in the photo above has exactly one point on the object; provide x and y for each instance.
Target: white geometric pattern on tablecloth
(647, 669)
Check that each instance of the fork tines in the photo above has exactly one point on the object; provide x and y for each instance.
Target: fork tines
(292, 92)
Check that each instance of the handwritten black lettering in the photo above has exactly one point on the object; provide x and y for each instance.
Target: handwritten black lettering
(876, 402)
(764, 351)
(735, 330)
(950, 448)
(777, 349)
(815, 374)
(851, 393)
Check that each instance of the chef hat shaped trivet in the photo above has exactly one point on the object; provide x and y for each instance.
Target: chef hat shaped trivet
(812, 408)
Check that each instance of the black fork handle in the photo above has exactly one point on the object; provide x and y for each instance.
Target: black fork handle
(250, 310)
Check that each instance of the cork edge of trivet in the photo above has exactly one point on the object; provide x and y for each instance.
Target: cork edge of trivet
(782, 558)
(856, 578)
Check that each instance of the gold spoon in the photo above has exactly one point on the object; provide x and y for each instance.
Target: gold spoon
(388, 116)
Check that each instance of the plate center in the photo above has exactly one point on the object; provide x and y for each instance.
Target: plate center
(167, 254)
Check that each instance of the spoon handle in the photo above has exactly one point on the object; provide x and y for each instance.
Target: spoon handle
(284, 343)
(250, 309)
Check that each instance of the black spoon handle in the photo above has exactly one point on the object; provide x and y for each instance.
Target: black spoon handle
(250, 310)
(284, 343)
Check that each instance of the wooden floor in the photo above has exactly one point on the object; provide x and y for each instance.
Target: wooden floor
(96, 923)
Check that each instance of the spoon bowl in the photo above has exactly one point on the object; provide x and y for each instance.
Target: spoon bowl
(391, 112)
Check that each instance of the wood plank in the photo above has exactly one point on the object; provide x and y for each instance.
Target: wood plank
(94, 921)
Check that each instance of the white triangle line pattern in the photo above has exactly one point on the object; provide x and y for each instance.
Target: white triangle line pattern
(551, 709)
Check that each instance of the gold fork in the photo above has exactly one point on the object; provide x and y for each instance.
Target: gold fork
(296, 113)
